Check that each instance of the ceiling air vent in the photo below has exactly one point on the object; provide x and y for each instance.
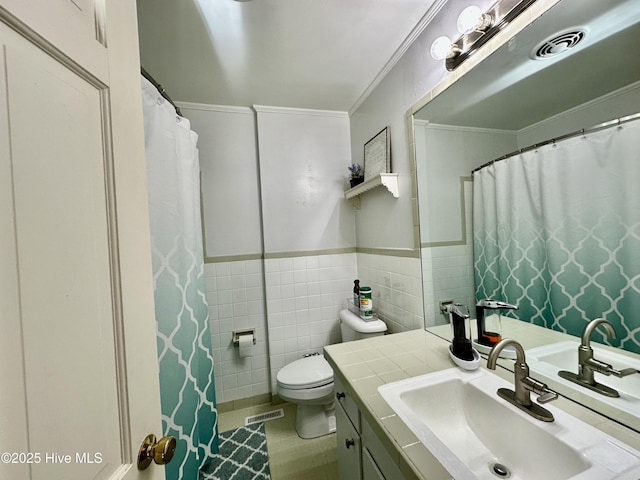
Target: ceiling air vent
(559, 43)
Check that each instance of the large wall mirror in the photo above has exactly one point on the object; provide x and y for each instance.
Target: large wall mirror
(511, 102)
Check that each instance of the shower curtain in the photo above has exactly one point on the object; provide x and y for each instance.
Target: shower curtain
(557, 232)
(187, 392)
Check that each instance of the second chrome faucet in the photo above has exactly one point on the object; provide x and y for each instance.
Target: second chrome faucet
(523, 384)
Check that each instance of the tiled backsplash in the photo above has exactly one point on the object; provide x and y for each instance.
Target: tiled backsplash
(235, 292)
(304, 296)
(396, 283)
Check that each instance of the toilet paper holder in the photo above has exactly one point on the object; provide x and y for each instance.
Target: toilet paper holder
(239, 333)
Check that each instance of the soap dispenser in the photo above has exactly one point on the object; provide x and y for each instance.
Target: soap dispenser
(461, 350)
(356, 293)
(490, 328)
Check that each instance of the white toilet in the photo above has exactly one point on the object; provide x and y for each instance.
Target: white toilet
(308, 382)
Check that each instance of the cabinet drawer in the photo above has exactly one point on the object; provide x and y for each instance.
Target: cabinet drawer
(347, 403)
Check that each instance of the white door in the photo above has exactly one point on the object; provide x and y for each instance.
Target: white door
(78, 365)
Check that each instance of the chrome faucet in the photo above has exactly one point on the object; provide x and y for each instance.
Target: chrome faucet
(523, 383)
(588, 366)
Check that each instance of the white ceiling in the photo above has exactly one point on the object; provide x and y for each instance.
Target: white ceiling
(321, 54)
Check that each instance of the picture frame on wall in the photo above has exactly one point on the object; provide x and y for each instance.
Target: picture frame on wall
(377, 154)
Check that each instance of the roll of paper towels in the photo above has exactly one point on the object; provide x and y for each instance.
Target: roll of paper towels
(246, 345)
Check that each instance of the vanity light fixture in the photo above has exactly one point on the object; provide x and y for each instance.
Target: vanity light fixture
(478, 27)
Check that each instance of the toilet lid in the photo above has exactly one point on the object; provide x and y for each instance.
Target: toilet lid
(307, 372)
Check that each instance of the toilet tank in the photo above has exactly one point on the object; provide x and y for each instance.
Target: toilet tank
(353, 327)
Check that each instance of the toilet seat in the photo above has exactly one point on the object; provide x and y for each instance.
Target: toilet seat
(308, 372)
(314, 396)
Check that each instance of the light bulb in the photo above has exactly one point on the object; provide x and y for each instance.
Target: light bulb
(441, 48)
(469, 19)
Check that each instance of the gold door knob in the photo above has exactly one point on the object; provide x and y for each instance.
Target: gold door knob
(160, 452)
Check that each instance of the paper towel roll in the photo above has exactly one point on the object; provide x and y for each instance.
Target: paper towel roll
(246, 345)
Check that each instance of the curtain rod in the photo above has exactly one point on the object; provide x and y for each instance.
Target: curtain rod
(160, 89)
(595, 128)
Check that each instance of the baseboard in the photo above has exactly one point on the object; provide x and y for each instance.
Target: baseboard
(244, 403)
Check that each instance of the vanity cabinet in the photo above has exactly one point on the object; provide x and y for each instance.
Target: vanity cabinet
(349, 447)
(380, 464)
(345, 400)
(361, 454)
(348, 440)
(370, 470)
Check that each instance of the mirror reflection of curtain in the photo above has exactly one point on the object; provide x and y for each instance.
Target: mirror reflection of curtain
(187, 390)
(557, 232)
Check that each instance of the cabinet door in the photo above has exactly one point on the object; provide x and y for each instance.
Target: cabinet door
(344, 399)
(348, 440)
(385, 464)
(370, 470)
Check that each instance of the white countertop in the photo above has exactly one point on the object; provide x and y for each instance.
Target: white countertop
(364, 365)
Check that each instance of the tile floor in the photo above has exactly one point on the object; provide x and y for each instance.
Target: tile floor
(290, 457)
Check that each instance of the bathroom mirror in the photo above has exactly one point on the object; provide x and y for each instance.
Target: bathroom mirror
(510, 101)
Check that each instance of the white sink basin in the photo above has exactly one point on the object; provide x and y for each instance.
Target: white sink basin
(459, 417)
(545, 362)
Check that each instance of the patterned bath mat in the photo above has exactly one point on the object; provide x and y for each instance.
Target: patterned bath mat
(243, 456)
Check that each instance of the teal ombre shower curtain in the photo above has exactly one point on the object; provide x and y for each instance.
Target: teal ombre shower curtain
(557, 232)
(187, 390)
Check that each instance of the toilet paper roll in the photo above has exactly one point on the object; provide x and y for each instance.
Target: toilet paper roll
(246, 345)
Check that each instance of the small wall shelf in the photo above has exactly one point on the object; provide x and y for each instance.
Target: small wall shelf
(389, 180)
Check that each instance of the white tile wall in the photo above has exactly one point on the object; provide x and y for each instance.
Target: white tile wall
(304, 296)
(235, 293)
(396, 284)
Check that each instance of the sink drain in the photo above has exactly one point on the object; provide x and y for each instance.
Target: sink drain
(499, 470)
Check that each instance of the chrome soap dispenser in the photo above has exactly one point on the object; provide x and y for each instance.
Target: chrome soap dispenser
(461, 350)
